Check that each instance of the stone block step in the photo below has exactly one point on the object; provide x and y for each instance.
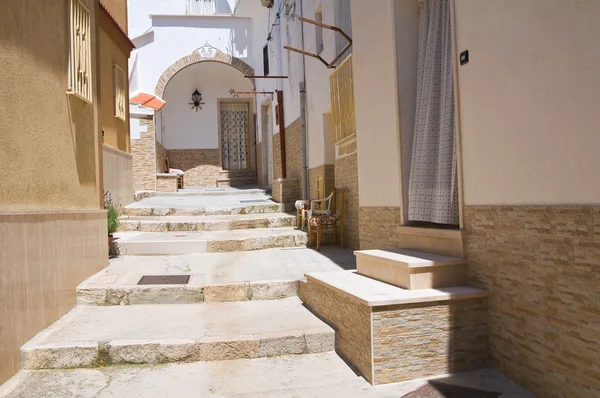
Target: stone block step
(153, 243)
(206, 223)
(148, 334)
(412, 270)
(237, 173)
(254, 207)
(214, 277)
(311, 375)
(236, 182)
(213, 191)
(192, 293)
(373, 293)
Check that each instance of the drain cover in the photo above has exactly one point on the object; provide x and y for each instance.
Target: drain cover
(254, 201)
(164, 280)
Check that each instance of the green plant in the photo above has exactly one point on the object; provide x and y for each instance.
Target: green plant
(112, 213)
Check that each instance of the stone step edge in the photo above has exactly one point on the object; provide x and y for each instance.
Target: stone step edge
(112, 295)
(209, 211)
(415, 267)
(269, 221)
(154, 351)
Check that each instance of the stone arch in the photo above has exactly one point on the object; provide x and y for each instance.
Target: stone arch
(206, 53)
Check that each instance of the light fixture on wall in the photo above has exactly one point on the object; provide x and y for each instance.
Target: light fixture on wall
(196, 100)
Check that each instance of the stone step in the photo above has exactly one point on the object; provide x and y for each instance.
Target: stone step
(236, 182)
(253, 206)
(153, 243)
(237, 173)
(411, 269)
(206, 223)
(214, 277)
(147, 334)
(311, 375)
(214, 191)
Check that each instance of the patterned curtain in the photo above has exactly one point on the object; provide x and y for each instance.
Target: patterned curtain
(433, 187)
(234, 137)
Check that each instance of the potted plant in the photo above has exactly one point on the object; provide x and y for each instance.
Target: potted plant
(112, 215)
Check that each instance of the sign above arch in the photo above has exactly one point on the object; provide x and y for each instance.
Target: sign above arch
(206, 53)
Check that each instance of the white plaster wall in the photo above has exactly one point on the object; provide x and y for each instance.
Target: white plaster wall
(176, 37)
(139, 10)
(135, 129)
(529, 101)
(376, 103)
(318, 103)
(261, 21)
(184, 128)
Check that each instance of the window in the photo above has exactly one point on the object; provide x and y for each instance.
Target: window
(342, 100)
(120, 92)
(80, 56)
(319, 30)
(266, 60)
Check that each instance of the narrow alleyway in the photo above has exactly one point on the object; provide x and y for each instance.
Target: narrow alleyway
(233, 326)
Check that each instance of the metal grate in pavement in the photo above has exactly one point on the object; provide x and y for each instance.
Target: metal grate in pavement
(164, 280)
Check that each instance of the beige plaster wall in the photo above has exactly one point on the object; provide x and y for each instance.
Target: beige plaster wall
(48, 140)
(529, 101)
(376, 103)
(113, 49)
(407, 53)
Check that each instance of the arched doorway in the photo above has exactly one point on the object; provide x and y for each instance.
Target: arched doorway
(216, 139)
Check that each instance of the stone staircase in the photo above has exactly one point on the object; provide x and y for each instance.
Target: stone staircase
(213, 299)
(212, 296)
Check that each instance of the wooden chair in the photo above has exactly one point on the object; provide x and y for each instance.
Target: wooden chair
(327, 215)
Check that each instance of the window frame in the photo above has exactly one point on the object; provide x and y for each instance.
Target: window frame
(80, 52)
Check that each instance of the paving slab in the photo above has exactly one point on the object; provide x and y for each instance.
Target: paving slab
(96, 336)
(148, 243)
(231, 276)
(206, 223)
(303, 376)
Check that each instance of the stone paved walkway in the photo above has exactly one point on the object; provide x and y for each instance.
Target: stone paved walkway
(236, 329)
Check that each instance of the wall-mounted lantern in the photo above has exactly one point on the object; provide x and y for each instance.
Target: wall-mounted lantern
(196, 100)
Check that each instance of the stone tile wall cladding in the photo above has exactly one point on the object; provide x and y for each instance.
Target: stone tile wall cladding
(346, 176)
(350, 320)
(419, 340)
(541, 265)
(327, 172)
(381, 227)
(378, 226)
(144, 159)
(166, 183)
(403, 342)
(45, 256)
(293, 158)
(201, 166)
(161, 156)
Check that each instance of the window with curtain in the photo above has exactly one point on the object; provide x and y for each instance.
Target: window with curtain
(433, 186)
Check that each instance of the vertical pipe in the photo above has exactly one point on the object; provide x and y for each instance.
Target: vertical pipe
(304, 138)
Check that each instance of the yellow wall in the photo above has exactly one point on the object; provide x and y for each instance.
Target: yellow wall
(48, 140)
(114, 49)
(529, 101)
